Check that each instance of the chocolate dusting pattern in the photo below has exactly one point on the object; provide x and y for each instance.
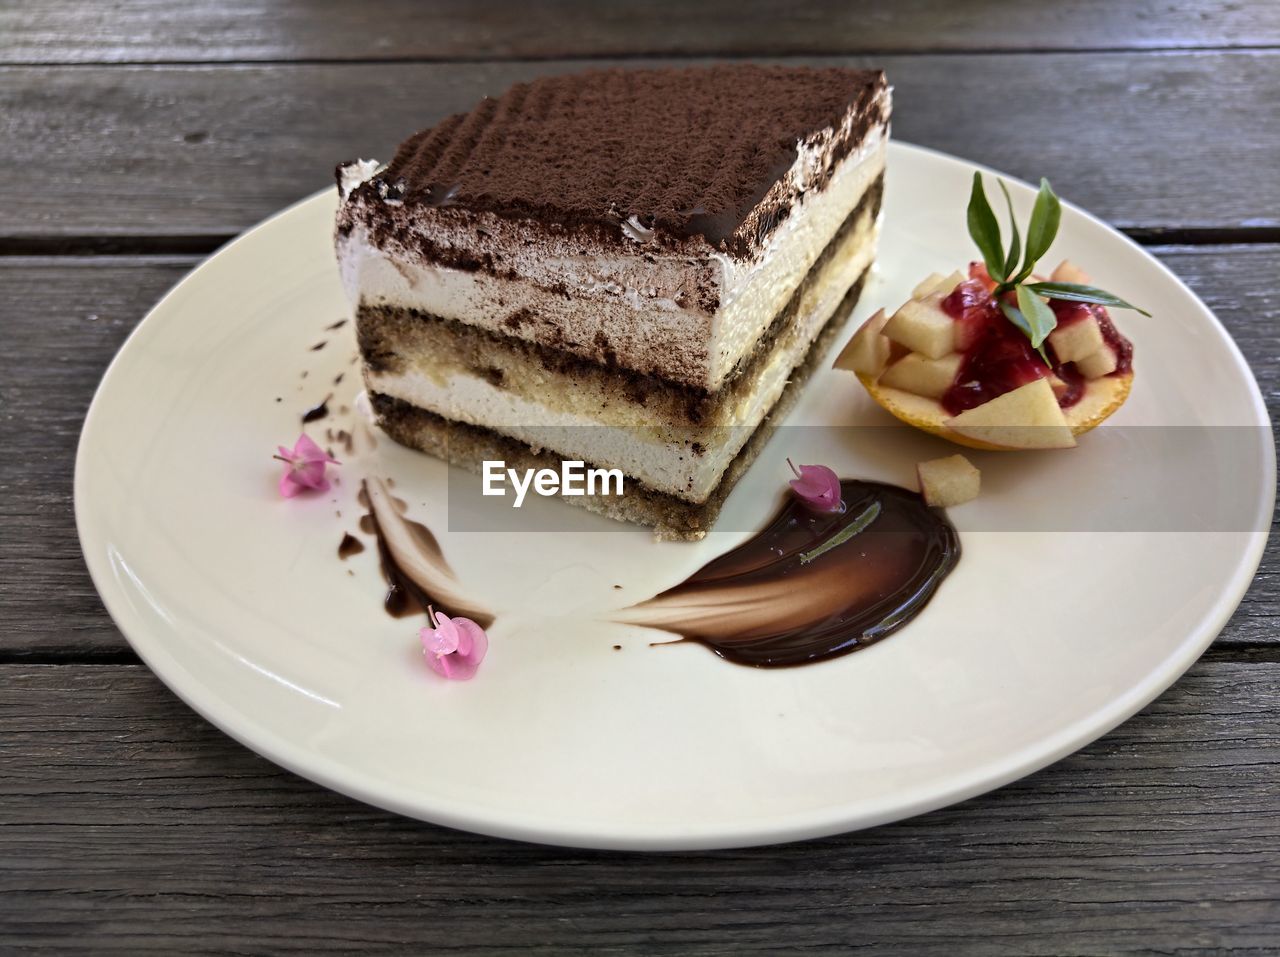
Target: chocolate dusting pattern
(674, 153)
(813, 585)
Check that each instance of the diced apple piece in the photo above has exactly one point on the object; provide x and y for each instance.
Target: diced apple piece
(868, 351)
(922, 327)
(1026, 418)
(948, 285)
(922, 375)
(938, 284)
(928, 285)
(1056, 383)
(948, 481)
(1103, 362)
(1068, 271)
(1077, 340)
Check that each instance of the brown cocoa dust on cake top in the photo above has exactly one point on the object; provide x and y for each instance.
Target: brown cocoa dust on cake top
(680, 153)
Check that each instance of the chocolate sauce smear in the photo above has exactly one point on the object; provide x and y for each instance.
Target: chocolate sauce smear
(317, 412)
(812, 585)
(350, 545)
(412, 561)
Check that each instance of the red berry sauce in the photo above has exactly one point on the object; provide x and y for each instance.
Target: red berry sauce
(998, 357)
(1072, 312)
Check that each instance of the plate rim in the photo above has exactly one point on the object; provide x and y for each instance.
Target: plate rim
(832, 819)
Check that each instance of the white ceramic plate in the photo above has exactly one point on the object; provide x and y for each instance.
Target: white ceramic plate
(1038, 643)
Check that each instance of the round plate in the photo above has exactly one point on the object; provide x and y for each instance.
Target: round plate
(1053, 629)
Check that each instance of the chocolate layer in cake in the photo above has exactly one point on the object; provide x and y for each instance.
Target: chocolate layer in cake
(675, 438)
(671, 517)
(658, 219)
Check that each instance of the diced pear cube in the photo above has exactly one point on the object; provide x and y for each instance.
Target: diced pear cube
(922, 327)
(1077, 340)
(1103, 362)
(938, 284)
(868, 351)
(948, 481)
(928, 285)
(1068, 271)
(1029, 417)
(948, 285)
(922, 375)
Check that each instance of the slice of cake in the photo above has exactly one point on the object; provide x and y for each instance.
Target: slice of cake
(635, 269)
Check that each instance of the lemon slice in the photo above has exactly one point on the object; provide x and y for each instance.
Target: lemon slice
(1101, 398)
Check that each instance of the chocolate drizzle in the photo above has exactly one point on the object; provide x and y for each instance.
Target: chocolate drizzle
(811, 585)
(350, 545)
(317, 412)
(412, 561)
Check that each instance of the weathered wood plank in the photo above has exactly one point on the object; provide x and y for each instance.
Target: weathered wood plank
(63, 321)
(65, 317)
(73, 31)
(1143, 141)
(128, 825)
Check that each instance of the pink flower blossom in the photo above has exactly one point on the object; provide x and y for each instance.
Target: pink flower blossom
(454, 647)
(817, 486)
(303, 467)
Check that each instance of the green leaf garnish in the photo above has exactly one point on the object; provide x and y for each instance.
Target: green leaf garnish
(1038, 314)
(856, 527)
(1077, 292)
(1014, 315)
(1043, 229)
(985, 230)
(1031, 314)
(1015, 244)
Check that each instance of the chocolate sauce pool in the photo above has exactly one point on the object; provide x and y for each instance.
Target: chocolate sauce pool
(814, 585)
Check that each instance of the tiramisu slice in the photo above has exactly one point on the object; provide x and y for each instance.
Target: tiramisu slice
(629, 268)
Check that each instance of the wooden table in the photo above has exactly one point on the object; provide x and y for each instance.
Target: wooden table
(140, 135)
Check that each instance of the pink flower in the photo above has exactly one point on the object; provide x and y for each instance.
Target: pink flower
(454, 647)
(817, 486)
(303, 467)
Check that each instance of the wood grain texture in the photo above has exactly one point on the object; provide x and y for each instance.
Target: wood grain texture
(71, 31)
(65, 317)
(63, 321)
(1159, 140)
(129, 825)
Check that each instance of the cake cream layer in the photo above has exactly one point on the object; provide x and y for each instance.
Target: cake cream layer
(672, 518)
(673, 439)
(687, 311)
